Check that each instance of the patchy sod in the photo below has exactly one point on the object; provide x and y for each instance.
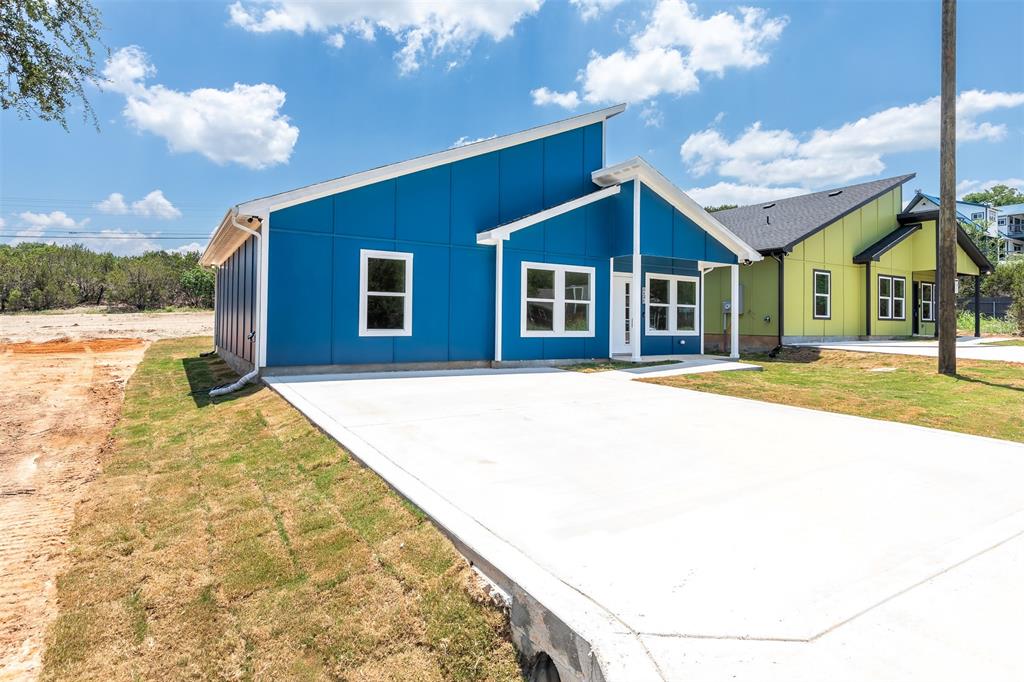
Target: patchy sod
(231, 539)
(985, 399)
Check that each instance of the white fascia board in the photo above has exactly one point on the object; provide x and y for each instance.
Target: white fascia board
(638, 169)
(322, 189)
(226, 238)
(494, 235)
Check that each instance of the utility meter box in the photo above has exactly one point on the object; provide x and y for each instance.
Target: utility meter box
(727, 305)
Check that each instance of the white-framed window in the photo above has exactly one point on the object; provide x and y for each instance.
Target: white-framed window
(385, 293)
(892, 297)
(557, 300)
(927, 302)
(822, 295)
(978, 215)
(672, 305)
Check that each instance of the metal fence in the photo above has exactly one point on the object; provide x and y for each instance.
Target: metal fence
(993, 306)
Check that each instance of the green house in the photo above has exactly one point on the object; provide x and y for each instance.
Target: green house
(841, 264)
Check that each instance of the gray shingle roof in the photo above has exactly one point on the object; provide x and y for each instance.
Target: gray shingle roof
(796, 218)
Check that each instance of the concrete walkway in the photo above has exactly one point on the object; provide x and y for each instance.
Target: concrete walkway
(686, 535)
(967, 347)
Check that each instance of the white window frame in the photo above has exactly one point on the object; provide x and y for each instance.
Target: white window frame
(672, 305)
(815, 295)
(930, 300)
(892, 298)
(364, 257)
(559, 301)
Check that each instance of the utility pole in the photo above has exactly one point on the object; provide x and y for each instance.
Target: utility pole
(946, 265)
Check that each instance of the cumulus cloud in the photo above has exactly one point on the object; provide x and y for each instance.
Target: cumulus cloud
(566, 100)
(422, 29)
(187, 248)
(675, 48)
(464, 140)
(31, 226)
(853, 150)
(242, 125)
(739, 194)
(652, 116)
(153, 205)
(592, 9)
(967, 186)
(113, 204)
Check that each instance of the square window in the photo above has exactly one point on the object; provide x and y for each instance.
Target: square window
(577, 317)
(672, 305)
(556, 300)
(540, 283)
(658, 317)
(658, 291)
(385, 275)
(820, 306)
(577, 286)
(385, 312)
(385, 293)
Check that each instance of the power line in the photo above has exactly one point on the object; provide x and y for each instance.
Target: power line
(37, 237)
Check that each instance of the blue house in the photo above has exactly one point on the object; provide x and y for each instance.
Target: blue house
(521, 248)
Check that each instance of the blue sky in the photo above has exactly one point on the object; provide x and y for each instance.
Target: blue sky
(210, 104)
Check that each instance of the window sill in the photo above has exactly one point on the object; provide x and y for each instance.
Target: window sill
(658, 332)
(385, 332)
(556, 335)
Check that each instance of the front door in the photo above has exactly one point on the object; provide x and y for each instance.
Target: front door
(915, 325)
(621, 327)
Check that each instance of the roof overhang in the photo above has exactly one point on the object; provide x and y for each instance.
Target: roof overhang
(963, 239)
(638, 169)
(501, 232)
(232, 231)
(261, 208)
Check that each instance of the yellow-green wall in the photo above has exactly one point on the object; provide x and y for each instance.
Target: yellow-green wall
(833, 249)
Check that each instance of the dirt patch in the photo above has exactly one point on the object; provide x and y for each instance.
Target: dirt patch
(58, 404)
(79, 325)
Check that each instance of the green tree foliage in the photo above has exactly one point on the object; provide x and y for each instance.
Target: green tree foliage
(723, 207)
(44, 276)
(47, 56)
(1008, 280)
(997, 195)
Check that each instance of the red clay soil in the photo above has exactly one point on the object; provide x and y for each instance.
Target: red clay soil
(58, 402)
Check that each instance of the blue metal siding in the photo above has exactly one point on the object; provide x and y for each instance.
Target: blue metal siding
(235, 301)
(313, 299)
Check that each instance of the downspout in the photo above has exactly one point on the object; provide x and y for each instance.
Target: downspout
(251, 376)
(782, 294)
(867, 299)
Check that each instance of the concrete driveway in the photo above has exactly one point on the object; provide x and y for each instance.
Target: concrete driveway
(969, 348)
(692, 536)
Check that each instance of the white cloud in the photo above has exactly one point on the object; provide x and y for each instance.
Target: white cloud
(155, 204)
(592, 9)
(187, 248)
(740, 195)
(114, 204)
(967, 186)
(852, 150)
(242, 125)
(464, 140)
(422, 29)
(3, 223)
(652, 116)
(54, 219)
(567, 100)
(677, 46)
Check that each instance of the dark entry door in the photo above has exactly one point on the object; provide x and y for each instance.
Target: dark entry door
(915, 325)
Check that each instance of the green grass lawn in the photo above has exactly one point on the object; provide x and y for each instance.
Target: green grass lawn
(986, 399)
(609, 365)
(233, 540)
(1005, 342)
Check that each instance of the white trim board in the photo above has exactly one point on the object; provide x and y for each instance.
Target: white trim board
(640, 170)
(495, 234)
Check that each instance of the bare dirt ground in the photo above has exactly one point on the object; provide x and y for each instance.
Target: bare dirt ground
(84, 324)
(58, 402)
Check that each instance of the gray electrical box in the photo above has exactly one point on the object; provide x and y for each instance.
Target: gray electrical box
(727, 305)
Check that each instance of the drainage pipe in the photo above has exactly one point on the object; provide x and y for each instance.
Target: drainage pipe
(254, 374)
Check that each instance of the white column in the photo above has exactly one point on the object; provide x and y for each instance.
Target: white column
(700, 307)
(636, 329)
(262, 297)
(611, 306)
(734, 313)
(498, 271)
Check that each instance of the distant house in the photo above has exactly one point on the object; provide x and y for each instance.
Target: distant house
(525, 247)
(1010, 226)
(845, 263)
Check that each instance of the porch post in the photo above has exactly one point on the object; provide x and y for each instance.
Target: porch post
(734, 313)
(636, 330)
(700, 309)
(977, 305)
(498, 270)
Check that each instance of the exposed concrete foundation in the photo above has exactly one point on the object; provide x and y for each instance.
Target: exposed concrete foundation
(749, 343)
(239, 364)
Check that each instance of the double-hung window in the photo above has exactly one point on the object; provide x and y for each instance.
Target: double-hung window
(927, 302)
(672, 308)
(822, 294)
(557, 300)
(892, 297)
(385, 293)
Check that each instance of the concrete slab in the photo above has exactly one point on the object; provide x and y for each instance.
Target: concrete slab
(969, 348)
(697, 364)
(688, 535)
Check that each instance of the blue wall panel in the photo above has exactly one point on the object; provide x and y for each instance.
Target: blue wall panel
(472, 304)
(299, 298)
(423, 208)
(655, 223)
(521, 180)
(347, 347)
(593, 150)
(429, 340)
(563, 168)
(474, 197)
(622, 234)
(312, 216)
(365, 212)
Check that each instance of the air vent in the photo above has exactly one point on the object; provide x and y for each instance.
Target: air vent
(836, 193)
(768, 205)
